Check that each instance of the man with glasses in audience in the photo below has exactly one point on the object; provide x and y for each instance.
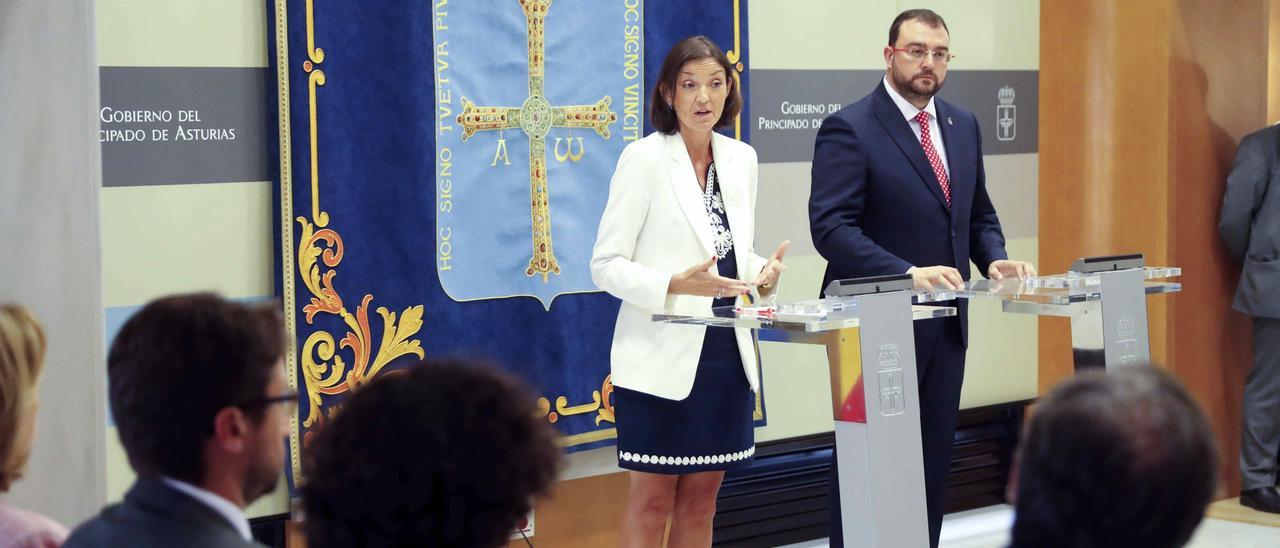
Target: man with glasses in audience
(198, 392)
(899, 187)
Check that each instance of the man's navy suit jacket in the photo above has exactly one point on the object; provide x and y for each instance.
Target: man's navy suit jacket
(876, 207)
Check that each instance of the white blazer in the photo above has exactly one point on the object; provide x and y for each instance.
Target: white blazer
(655, 225)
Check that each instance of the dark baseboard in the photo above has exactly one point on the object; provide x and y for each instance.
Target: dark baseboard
(781, 498)
(983, 455)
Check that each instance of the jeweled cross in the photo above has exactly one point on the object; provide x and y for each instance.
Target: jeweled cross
(536, 117)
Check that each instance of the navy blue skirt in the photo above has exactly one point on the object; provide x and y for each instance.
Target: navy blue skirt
(711, 429)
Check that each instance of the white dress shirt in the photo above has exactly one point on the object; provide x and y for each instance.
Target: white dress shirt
(909, 111)
(223, 507)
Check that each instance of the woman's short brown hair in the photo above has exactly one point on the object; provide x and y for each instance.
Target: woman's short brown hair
(693, 48)
(22, 348)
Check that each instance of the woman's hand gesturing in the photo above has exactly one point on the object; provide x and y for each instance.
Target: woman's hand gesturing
(698, 280)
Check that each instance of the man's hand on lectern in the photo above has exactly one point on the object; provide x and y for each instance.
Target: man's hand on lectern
(930, 278)
(1006, 268)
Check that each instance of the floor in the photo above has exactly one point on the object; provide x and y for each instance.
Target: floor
(1228, 525)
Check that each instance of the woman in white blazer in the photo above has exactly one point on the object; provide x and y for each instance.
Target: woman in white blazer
(677, 237)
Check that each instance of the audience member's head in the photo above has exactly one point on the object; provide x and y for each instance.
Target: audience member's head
(1119, 458)
(445, 453)
(199, 395)
(22, 347)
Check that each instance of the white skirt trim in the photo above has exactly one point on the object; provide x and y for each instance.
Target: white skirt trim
(688, 461)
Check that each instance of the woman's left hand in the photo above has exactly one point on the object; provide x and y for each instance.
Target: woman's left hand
(768, 277)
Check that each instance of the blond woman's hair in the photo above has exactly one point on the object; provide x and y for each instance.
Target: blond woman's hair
(22, 348)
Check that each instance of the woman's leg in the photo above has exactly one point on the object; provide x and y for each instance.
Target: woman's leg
(650, 500)
(694, 510)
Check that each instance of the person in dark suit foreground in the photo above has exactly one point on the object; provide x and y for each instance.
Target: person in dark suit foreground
(1250, 226)
(444, 453)
(1113, 459)
(198, 393)
(899, 187)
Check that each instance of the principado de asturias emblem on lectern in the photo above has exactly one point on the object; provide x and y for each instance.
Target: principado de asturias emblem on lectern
(1006, 115)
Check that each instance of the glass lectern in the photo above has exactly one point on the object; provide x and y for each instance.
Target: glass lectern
(865, 325)
(866, 328)
(1105, 297)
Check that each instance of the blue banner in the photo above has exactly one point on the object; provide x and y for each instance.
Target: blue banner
(442, 169)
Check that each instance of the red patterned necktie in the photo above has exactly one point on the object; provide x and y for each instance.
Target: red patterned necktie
(932, 154)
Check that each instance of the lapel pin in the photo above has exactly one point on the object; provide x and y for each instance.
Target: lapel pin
(949, 121)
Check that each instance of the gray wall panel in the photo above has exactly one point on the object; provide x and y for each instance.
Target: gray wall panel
(144, 108)
(788, 107)
(1013, 183)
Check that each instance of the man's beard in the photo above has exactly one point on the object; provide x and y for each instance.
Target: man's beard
(917, 88)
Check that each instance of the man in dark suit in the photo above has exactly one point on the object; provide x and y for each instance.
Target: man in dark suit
(1249, 224)
(198, 393)
(899, 187)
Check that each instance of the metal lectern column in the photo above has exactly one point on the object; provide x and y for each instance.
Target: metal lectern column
(1111, 331)
(879, 453)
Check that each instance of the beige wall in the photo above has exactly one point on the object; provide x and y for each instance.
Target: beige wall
(164, 239)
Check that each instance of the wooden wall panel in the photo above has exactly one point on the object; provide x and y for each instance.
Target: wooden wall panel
(1142, 105)
(1216, 100)
(1103, 147)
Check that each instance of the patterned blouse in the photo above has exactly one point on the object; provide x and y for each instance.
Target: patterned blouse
(714, 202)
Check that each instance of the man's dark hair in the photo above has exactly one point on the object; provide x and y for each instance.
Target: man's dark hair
(693, 48)
(927, 17)
(444, 453)
(178, 362)
(1121, 458)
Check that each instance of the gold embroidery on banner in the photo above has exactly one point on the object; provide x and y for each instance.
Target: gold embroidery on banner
(318, 254)
(601, 404)
(568, 155)
(316, 54)
(589, 437)
(562, 405)
(315, 78)
(544, 407)
(605, 413)
(330, 374)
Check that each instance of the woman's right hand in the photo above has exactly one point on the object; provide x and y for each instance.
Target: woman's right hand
(698, 280)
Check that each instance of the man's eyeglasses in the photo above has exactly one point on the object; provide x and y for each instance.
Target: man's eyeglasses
(916, 53)
(290, 402)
